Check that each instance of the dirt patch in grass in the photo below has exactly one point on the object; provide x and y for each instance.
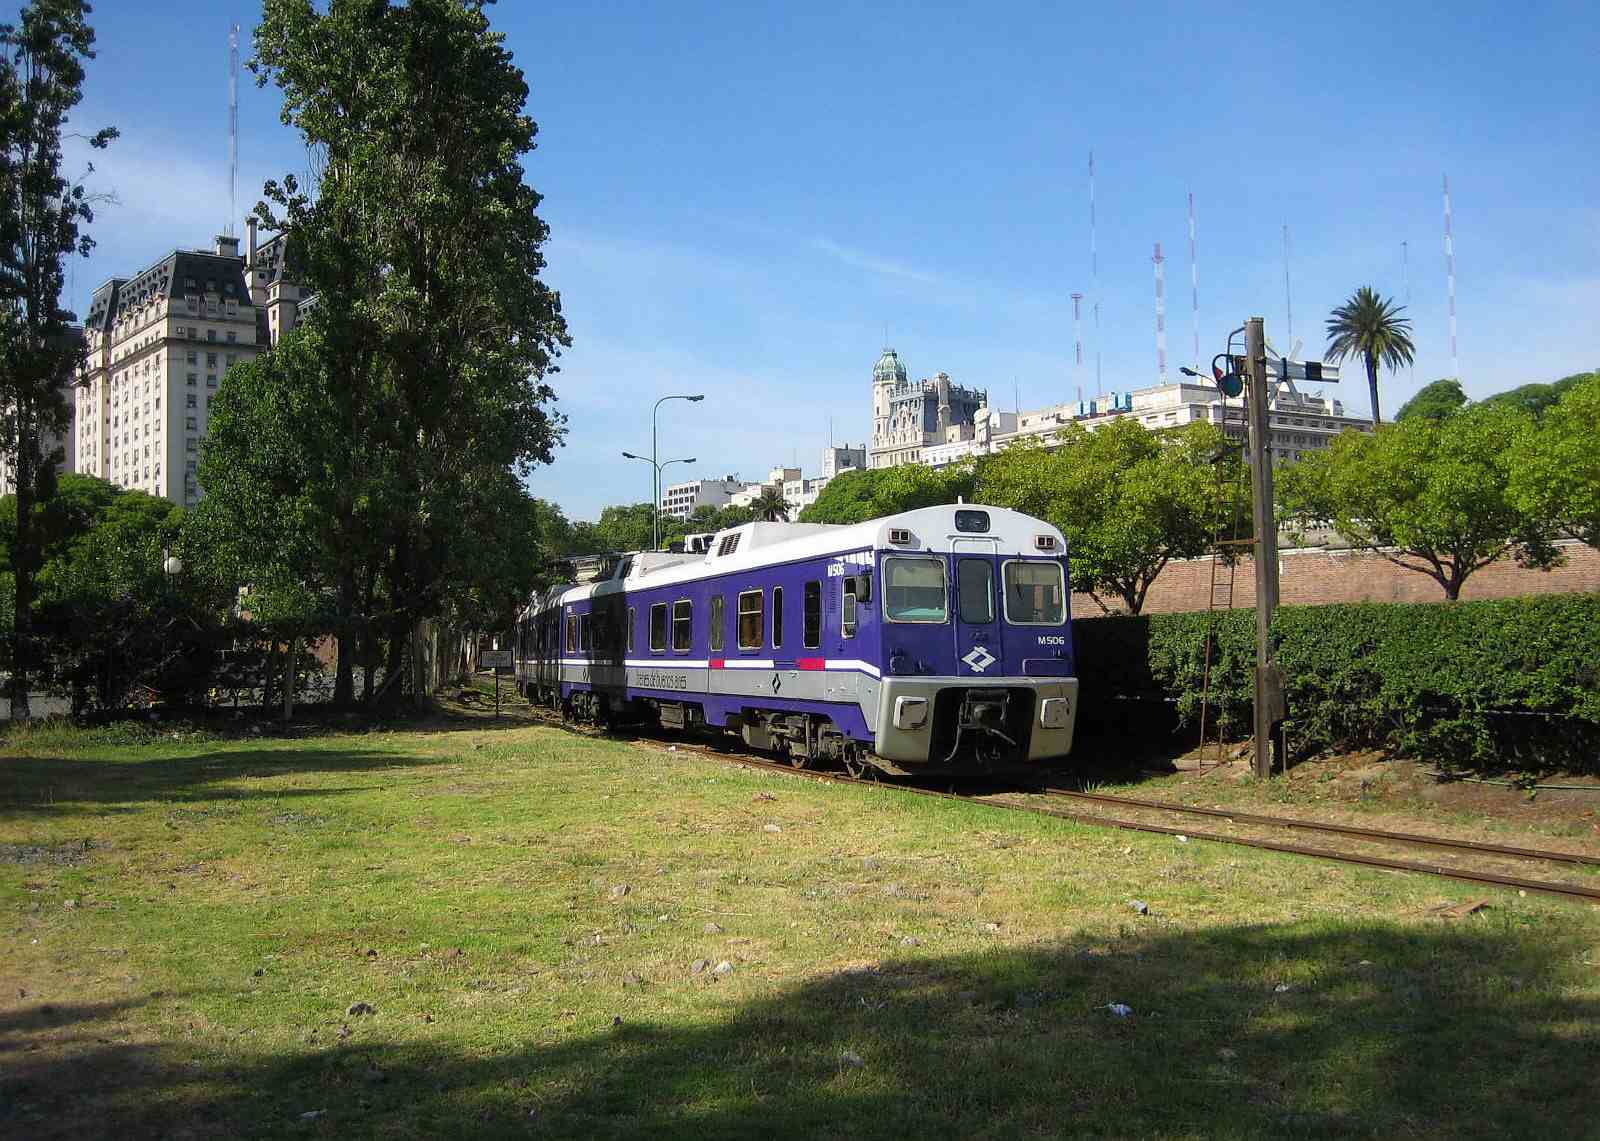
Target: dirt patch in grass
(67, 853)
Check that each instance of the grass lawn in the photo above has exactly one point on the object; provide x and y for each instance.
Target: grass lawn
(561, 936)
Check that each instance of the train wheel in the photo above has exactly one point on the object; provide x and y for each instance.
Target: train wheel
(855, 764)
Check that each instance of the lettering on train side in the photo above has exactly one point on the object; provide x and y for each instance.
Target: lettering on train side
(841, 564)
(650, 679)
(1052, 639)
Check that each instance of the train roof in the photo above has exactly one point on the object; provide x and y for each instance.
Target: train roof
(752, 546)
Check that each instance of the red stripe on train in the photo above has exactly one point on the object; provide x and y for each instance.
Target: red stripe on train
(811, 663)
(717, 663)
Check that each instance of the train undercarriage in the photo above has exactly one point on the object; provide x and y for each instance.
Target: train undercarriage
(975, 730)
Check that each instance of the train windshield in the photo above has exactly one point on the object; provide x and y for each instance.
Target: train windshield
(914, 590)
(1035, 594)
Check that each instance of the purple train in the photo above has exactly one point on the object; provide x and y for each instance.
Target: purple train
(934, 640)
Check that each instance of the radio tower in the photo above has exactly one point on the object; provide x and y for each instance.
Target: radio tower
(1450, 274)
(1194, 283)
(1161, 315)
(1094, 275)
(233, 127)
(1077, 329)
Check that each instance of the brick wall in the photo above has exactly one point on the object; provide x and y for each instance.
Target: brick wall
(1315, 575)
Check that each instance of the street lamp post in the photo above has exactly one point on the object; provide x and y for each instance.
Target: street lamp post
(655, 499)
(655, 508)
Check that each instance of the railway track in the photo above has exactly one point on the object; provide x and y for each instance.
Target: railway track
(1456, 847)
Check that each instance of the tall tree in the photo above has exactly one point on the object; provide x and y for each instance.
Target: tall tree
(42, 212)
(856, 496)
(1432, 496)
(1371, 327)
(1434, 401)
(1129, 501)
(422, 240)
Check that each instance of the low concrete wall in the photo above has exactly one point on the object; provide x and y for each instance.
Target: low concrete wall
(1313, 576)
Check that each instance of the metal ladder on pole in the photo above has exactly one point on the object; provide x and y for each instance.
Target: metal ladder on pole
(1220, 596)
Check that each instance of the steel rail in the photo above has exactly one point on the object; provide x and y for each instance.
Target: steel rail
(1337, 829)
(1466, 875)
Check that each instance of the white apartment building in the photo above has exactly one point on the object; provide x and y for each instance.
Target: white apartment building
(158, 345)
(1300, 422)
(679, 500)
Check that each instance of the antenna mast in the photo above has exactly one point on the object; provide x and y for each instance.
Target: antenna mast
(1077, 330)
(1288, 302)
(1194, 282)
(1161, 315)
(1094, 274)
(233, 127)
(1450, 274)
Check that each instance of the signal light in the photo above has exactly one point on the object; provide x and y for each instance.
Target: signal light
(1230, 384)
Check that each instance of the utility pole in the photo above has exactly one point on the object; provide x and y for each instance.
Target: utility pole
(1270, 707)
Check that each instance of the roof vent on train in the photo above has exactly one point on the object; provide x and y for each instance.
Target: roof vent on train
(729, 544)
(593, 568)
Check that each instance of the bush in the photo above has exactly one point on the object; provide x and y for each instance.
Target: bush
(1513, 683)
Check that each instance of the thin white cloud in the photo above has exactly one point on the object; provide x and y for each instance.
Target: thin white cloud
(883, 267)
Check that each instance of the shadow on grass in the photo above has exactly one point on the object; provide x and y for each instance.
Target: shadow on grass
(1378, 1030)
(45, 784)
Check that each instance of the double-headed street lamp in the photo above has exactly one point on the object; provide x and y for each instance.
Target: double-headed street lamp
(655, 508)
(655, 497)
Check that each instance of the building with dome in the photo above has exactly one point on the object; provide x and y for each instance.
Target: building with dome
(911, 415)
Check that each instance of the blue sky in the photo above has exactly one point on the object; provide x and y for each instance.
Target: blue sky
(747, 199)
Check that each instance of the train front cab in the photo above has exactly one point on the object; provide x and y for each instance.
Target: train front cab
(978, 667)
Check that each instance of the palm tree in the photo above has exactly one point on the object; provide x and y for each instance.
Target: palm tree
(770, 506)
(1372, 328)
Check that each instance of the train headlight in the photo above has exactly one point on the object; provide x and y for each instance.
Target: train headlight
(1054, 711)
(910, 712)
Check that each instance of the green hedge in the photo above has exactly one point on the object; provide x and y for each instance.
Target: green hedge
(1508, 683)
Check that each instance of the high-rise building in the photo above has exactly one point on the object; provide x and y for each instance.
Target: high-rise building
(158, 346)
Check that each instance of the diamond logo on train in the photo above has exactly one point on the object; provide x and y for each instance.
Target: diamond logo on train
(936, 640)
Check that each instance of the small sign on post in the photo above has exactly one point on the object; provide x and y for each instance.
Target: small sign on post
(496, 660)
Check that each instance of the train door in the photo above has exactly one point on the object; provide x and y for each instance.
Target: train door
(974, 573)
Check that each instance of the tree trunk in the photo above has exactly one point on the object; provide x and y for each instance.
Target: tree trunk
(268, 675)
(1372, 386)
(289, 664)
(368, 641)
(22, 561)
(344, 683)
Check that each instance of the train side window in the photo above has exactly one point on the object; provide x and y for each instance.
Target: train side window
(777, 617)
(572, 633)
(682, 625)
(631, 624)
(750, 619)
(811, 632)
(658, 627)
(847, 610)
(585, 644)
(715, 633)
